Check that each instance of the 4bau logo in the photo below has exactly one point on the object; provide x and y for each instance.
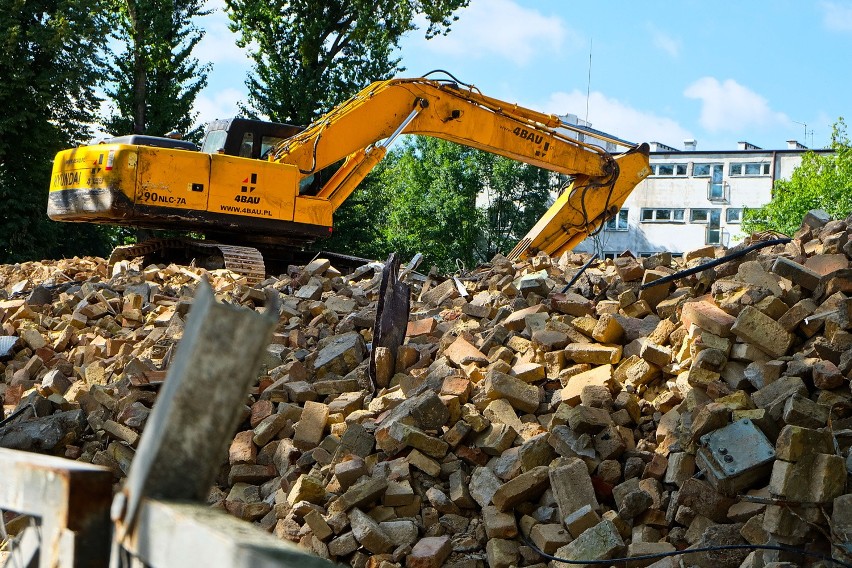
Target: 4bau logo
(249, 187)
(532, 136)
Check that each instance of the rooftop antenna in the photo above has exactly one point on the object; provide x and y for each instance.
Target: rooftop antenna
(589, 81)
(805, 139)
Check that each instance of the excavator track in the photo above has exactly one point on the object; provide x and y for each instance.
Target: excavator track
(243, 260)
(246, 261)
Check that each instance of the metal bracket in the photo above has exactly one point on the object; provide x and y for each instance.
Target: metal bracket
(736, 456)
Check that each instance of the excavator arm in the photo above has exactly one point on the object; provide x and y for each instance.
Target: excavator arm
(363, 127)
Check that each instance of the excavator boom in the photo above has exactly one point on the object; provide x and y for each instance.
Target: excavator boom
(463, 115)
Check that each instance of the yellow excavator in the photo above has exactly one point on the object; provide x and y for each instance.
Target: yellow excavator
(264, 187)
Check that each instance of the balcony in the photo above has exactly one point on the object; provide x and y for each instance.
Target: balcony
(718, 191)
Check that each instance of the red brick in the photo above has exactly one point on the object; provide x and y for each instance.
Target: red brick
(421, 327)
(461, 353)
(458, 387)
(429, 552)
(242, 449)
(825, 264)
(707, 316)
(260, 410)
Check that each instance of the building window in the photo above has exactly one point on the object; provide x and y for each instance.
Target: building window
(715, 236)
(734, 215)
(662, 215)
(617, 223)
(706, 170)
(669, 170)
(749, 169)
(699, 215)
(717, 191)
(704, 215)
(610, 255)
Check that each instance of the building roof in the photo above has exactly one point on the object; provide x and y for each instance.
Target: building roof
(746, 152)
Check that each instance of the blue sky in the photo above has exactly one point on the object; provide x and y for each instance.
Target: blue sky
(716, 71)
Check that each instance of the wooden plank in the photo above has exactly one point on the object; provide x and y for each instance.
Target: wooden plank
(72, 500)
(175, 535)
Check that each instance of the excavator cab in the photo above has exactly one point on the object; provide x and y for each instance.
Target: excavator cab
(245, 137)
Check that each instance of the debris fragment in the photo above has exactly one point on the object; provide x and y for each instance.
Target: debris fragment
(592, 421)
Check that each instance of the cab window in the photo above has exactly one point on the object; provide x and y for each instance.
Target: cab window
(267, 143)
(214, 141)
(246, 144)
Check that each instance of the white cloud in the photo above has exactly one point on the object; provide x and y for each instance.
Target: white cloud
(219, 43)
(617, 118)
(505, 29)
(729, 106)
(663, 41)
(221, 104)
(837, 16)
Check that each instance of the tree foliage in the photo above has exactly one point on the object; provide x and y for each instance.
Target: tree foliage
(310, 55)
(154, 79)
(515, 196)
(434, 185)
(447, 201)
(821, 181)
(49, 62)
(359, 224)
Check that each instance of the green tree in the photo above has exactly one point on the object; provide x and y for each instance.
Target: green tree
(49, 62)
(359, 224)
(310, 55)
(821, 181)
(154, 79)
(433, 210)
(451, 202)
(515, 195)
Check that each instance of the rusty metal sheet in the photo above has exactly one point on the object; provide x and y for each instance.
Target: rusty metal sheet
(392, 312)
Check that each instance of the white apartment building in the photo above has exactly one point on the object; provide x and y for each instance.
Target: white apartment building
(694, 198)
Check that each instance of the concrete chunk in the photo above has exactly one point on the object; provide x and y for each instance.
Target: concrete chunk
(572, 487)
(597, 543)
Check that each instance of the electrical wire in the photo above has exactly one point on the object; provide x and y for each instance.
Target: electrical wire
(717, 548)
(712, 263)
(580, 272)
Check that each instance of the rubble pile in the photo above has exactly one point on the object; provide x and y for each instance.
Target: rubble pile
(595, 423)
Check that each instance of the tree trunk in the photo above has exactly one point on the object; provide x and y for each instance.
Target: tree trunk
(139, 74)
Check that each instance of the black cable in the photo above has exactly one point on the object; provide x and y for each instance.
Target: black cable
(450, 75)
(580, 272)
(719, 548)
(16, 414)
(712, 263)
